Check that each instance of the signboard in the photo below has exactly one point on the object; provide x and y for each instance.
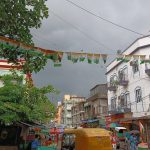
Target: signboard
(108, 119)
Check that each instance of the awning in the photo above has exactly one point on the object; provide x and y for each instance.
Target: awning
(90, 121)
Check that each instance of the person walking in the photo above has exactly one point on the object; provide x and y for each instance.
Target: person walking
(133, 142)
(113, 140)
(35, 143)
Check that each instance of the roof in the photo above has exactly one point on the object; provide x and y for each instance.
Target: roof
(97, 86)
(148, 36)
(88, 132)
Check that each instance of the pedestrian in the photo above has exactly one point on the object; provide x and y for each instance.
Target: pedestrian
(35, 143)
(133, 142)
(113, 140)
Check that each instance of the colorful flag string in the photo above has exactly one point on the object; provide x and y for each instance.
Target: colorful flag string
(56, 55)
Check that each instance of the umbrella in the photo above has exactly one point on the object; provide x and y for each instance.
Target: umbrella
(134, 132)
(113, 125)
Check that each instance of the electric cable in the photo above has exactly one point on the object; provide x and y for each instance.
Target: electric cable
(104, 19)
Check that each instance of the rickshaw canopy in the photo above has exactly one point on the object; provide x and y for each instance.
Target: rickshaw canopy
(90, 138)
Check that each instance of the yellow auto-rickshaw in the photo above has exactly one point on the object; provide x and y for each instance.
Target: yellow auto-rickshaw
(86, 139)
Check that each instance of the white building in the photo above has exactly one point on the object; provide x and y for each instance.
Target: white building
(67, 103)
(129, 82)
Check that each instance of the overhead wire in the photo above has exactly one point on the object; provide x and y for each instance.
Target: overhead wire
(104, 19)
(35, 35)
(79, 30)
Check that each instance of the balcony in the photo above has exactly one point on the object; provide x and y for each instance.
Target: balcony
(120, 110)
(147, 69)
(112, 86)
(123, 79)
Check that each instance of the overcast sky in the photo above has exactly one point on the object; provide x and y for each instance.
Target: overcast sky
(69, 28)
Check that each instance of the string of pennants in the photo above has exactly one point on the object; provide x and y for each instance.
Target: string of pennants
(56, 56)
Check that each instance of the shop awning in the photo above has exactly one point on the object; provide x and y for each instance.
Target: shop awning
(90, 121)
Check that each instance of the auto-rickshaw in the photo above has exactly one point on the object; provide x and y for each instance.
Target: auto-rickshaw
(86, 139)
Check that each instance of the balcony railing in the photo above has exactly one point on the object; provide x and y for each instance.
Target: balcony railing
(112, 86)
(120, 110)
(123, 79)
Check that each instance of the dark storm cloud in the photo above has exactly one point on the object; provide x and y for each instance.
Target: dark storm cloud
(56, 34)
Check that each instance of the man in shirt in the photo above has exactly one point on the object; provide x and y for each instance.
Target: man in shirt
(35, 143)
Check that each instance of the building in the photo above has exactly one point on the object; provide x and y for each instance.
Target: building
(96, 106)
(57, 119)
(128, 87)
(77, 112)
(67, 103)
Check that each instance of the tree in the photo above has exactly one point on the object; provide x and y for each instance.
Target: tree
(19, 102)
(17, 17)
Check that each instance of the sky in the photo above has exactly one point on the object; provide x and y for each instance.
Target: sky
(69, 28)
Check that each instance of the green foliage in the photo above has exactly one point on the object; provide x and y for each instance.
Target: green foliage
(20, 102)
(17, 17)
(34, 60)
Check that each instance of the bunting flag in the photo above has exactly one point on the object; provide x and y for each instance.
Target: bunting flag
(104, 57)
(120, 57)
(82, 57)
(8, 45)
(96, 58)
(127, 58)
(57, 64)
(69, 55)
(90, 58)
(142, 59)
(74, 57)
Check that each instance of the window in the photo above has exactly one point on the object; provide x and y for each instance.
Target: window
(138, 94)
(123, 102)
(68, 141)
(104, 109)
(135, 67)
(113, 103)
(123, 73)
(127, 98)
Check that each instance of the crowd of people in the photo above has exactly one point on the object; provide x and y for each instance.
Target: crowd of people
(125, 140)
(40, 141)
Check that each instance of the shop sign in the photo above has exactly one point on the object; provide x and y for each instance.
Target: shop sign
(116, 117)
(108, 119)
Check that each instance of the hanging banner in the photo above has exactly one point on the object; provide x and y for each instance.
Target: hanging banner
(127, 58)
(56, 56)
(90, 58)
(82, 57)
(96, 58)
(104, 57)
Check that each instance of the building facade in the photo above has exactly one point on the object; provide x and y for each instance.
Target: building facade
(68, 102)
(128, 85)
(96, 106)
(78, 114)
